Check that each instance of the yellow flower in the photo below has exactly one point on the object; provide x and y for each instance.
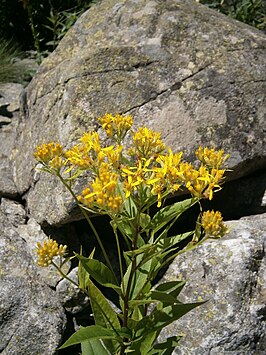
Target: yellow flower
(116, 126)
(133, 176)
(213, 225)
(91, 141)
(48, 251)
(147, 143)
(88, 154)
(102, 194)
(50, 154)
(79, 157)
(211, 157)
(114, 155)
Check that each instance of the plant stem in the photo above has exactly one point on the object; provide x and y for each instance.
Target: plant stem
(64, 275)
(119, 253)
(90, 224)
(132, 273)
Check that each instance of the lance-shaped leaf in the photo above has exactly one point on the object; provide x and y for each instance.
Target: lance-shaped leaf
(94, 347)
(103, 313)
(138, 279)
(143, 345)
(168, 213)
(165, 348)
(172, 288)
(92, 332)
(100, 272)
(169, 242)
(159, 319)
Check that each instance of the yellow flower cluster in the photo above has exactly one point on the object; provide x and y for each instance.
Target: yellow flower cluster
(168, 173)
(116, 126)
(48, 251)
(83, 155)
(103, 193)
(50, 154)
(149, 171)
(210, 157)
(133, 176)
(147, 143)
(213, 225)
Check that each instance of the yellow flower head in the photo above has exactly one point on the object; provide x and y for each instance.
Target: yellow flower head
(114, 155)
(213, 225)
(50, 154)
(87, 154)
(211, 157)
(48, 251)
(147, 143)
(102, 194)
(79, 157)
(91, 141)
(116, 126)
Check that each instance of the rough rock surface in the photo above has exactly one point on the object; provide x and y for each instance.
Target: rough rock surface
(231, 274)
(9, 117)
(175, 65)
(32, 319)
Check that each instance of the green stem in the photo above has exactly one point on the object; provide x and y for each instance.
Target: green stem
(185, 250)
(75, 284)
(91, 225)
(64, 275)
(119, 253)
(128, 289)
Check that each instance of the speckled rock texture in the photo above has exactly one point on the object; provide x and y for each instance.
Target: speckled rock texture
(175, 65)
(32, 319)
(231, 274)
(9, 119)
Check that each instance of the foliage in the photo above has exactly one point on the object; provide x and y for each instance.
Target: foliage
(12, 69)
(39, 24)
(252, 12)
(124, 183)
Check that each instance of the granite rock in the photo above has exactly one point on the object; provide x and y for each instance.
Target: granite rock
(176, 66)
(230, 274)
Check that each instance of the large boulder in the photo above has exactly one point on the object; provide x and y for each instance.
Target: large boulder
(175, 65)
(231, 275)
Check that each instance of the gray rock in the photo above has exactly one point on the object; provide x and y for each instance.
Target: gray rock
(32, 319)
(10, 95)
(176, 66)
(9, 117)
(14, 212)
(32, 233)
(73, 299)
(230, 273)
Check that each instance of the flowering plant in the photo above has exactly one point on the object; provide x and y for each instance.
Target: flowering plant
(124, 182)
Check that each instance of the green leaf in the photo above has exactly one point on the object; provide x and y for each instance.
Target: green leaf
(166, 299)
(100, 272)
(169, 242)
(142, 250)
(143, 345)
(159, 319)
(140, 276)
(145, 220)
(103, 313)
(93, 347)
(165, 348)
(91, 332)
(83, 275)
(166, 214)
(172, 288)
(134, 303)
(126, 227)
